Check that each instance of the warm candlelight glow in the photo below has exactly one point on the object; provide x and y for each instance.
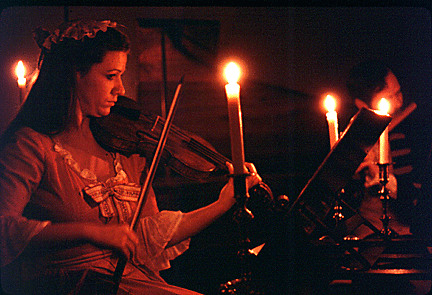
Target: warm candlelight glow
(20, 72)
(232, 73)
(330, 103)
(383, 106)
(384, 145)
(332, 120)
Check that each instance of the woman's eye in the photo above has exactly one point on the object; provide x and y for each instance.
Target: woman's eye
(111, 77)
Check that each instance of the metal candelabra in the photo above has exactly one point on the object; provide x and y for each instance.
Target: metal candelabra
(242, 215)
(384, 196)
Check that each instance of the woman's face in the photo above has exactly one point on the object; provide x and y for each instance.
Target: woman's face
(97, 91)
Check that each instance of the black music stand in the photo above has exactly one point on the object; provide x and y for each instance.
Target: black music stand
(317, 198)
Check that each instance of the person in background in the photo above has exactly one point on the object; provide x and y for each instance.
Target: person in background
(65, 202)
(367, 84)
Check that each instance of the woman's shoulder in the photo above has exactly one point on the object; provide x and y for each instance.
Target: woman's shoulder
(33, 135)
(27, 138)
(26, 145)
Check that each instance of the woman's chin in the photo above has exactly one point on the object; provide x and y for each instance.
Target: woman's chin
(104, 112)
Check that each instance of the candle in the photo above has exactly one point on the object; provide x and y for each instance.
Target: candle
(21, 80)
(20, 72)
(332, 119)
(232, 73)
(384, 145)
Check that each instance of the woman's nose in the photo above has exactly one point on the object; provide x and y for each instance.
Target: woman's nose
(120, 88)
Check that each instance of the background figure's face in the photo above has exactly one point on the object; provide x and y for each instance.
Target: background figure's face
(97, 91)
(391, 92)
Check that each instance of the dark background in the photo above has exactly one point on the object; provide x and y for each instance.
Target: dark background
(291, 57)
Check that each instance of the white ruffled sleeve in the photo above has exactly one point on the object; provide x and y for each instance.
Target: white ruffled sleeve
(154, 233)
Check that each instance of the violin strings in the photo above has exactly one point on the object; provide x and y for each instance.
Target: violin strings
(199, 147)
(220, 159)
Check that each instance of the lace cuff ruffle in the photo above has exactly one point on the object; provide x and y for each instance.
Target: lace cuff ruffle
(155, 232)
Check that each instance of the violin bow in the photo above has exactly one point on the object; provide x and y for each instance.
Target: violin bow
(121, 264)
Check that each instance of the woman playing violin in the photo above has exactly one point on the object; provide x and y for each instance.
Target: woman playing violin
(65, 202)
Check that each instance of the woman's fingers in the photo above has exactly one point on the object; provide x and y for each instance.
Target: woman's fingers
(254, 177)
(118, 237)
(131, 243)
(230, 167)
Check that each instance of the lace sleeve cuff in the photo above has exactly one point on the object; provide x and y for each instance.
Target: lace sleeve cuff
(154, 233)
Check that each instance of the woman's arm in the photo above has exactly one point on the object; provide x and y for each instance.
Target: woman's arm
(195, 221)
(22, 166)
(117, 237)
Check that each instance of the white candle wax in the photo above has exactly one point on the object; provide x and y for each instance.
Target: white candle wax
(384, 145)
(236, 128)
(332, 119)
(384, 148)
(21, 82)
(333, 127)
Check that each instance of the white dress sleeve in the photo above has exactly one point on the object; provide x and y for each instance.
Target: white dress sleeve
(154, 233)
(21, 168)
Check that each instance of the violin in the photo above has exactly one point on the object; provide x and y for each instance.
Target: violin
(129, 130)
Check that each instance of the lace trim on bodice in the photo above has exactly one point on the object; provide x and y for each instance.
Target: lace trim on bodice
(86, 173)
(114, 196)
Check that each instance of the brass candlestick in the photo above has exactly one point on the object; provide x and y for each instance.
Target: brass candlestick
(384, 196)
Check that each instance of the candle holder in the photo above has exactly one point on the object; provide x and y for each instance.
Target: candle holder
(384, 194)
(242, 213)
(337, 208)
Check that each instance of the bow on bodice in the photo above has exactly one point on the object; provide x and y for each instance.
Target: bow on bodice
(114, 199)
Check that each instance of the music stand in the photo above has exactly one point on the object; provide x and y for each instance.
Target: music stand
(327, 183)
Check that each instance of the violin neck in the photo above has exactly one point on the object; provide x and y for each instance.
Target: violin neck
(209, 154)
(195, 145)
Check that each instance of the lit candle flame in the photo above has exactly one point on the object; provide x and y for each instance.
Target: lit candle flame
(330, 103)
(383, 106)
(20, 72)
(232, 72)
